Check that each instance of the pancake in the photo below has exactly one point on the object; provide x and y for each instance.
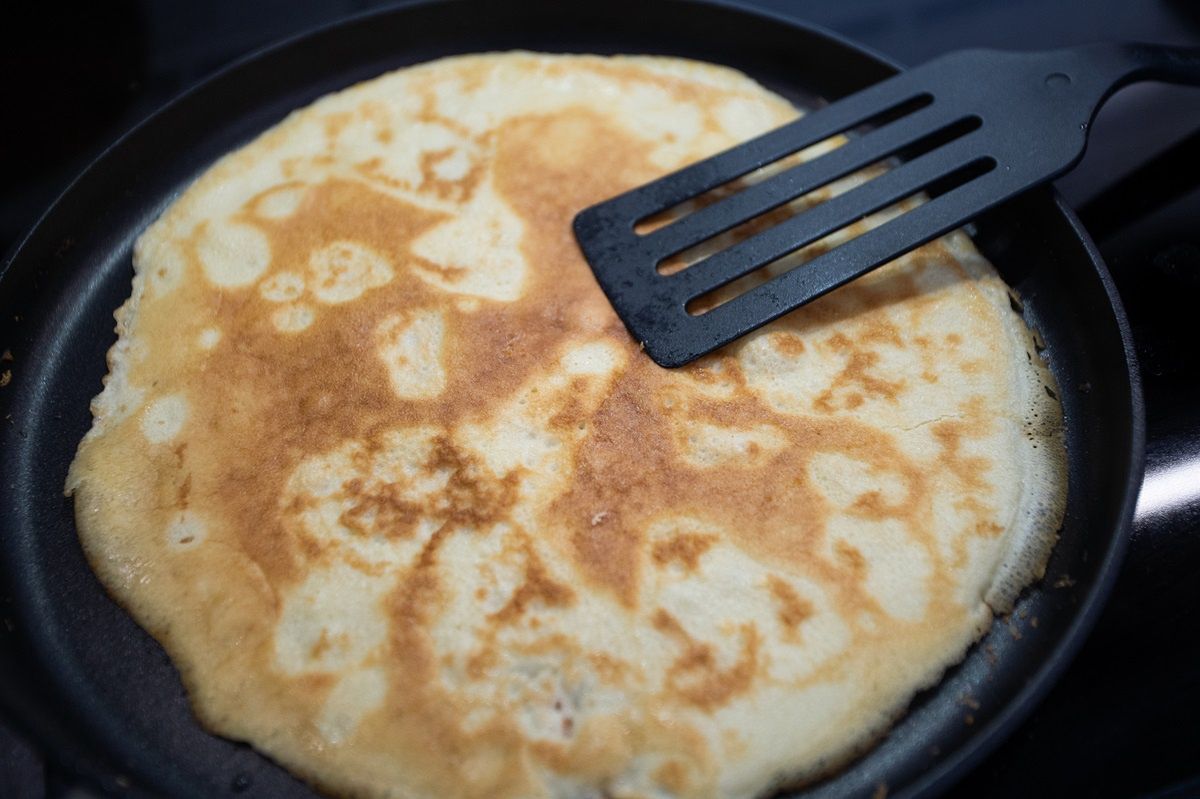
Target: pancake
(412, 514)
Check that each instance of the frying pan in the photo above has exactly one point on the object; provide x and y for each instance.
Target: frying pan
(109, 701)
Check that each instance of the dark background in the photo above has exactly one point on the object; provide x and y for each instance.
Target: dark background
(1125, 719)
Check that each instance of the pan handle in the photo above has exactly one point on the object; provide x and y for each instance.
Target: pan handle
(1151, 278)
(1170, 495)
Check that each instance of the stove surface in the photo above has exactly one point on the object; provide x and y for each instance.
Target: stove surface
(1124, 720)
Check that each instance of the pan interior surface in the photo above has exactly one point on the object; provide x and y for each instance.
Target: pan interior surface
(119, 680)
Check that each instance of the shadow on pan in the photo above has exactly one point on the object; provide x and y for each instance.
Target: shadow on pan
(111, 704)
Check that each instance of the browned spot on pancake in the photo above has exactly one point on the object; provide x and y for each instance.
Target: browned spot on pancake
(686, 548)
(969, 470)
(503, 344)
(695, 676)
(472, 497)
(311, 549)
(385, 511)
(627, 474)
(878, 329)
(335, 123)
(322, 645)
(856, 372)
(717, 370)
(573, 414)
(972, 505)
(851, 559)
(428, 112)
(788, 344)
(409, 609)
(673, 776)
(953, 339)
(272, 394)
(861, 302)
(482, 661)
(370, 166)
(989, 529)
(794, 609)
(608, 668)
(456, 189)
(185, 491)
(319, 683)
(607, 553)
(734, 743)
(537, 587)
(340, 210)
(973, 367)
(254, 204)
(873, 505)
(452, 274)
(547, 173)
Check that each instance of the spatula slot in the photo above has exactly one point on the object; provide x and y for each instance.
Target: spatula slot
(812, 224)
(659, 202)
(910, 106)
(827, 251)
(797, 178)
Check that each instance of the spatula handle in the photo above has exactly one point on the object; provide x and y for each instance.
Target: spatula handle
(1101, 69)
(1160, 62)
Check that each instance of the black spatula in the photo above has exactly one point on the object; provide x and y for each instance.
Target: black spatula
(987, 124)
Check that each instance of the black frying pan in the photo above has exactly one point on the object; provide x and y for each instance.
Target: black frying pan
(111, 703)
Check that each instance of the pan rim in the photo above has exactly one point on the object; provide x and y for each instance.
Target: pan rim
(1047, 674)
(938, 778)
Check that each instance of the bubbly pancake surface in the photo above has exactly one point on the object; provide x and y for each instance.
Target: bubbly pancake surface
(381, 469)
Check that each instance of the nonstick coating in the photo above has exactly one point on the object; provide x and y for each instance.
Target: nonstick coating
(112, 683)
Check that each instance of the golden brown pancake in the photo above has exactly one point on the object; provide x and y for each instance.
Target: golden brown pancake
(412, 514)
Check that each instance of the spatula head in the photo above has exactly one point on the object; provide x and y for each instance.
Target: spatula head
(972, 128)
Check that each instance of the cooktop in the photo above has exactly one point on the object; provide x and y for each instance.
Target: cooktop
(1124, 721)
